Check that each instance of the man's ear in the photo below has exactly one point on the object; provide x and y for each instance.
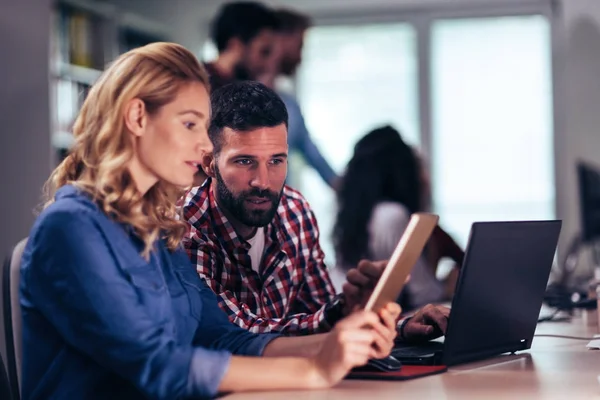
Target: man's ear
(208, 164)
(135, 117)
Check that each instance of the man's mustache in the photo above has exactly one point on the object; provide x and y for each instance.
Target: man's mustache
(267, 194)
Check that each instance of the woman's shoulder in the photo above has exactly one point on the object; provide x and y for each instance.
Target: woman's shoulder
(75, 223)
(70, 204)
(390, 212)
(72, 214)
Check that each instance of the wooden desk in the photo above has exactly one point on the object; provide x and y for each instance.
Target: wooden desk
(553, 369)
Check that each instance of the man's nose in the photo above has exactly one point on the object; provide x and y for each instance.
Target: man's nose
(261, 178)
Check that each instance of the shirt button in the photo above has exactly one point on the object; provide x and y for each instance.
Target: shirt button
(265, 299)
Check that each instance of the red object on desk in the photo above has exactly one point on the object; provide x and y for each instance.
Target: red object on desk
(403, 374)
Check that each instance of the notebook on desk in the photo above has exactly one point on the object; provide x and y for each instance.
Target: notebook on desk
(498, 295)
(403, 374)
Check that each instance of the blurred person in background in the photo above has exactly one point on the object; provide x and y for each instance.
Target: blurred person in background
(384, 183)
(285, 60)
(244, 34)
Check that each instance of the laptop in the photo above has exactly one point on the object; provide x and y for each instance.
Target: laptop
(498, 295)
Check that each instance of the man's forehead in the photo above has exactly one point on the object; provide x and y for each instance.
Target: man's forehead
(258, 136)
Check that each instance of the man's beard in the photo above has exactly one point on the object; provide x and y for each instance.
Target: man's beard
(236, 205)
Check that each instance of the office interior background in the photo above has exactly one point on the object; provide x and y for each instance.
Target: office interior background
(502, 97)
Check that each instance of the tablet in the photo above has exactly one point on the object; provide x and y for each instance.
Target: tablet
(404, 257)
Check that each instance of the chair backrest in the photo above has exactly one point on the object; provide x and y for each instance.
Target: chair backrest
(5, 392)
(12, 316)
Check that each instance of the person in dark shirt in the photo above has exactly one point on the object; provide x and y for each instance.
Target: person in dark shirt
(244, 34)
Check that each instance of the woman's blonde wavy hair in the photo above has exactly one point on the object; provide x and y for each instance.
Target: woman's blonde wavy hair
(98, 161)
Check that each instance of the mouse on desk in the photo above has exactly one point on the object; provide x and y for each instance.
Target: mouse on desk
(387, 364)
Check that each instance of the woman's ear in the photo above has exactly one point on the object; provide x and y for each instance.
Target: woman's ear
(135, 117)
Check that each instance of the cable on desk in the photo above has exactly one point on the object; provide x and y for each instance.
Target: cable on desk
(554, 317)
(549, 317)
(565, 337)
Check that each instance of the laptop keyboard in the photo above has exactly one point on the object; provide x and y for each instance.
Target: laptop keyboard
(405, 350)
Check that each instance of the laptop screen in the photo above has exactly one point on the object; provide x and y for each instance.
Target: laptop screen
(500, 289)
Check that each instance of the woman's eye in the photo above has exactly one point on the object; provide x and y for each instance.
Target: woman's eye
(189, 125)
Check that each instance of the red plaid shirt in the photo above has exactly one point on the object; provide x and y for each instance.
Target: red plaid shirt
(293, 286)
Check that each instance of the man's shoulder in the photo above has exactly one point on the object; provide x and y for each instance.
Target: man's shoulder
(196, 204)
(294, 195)
(389, 214)
(202, 232)
(294, 205)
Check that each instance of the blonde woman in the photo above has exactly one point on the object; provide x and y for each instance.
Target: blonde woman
(112, 308)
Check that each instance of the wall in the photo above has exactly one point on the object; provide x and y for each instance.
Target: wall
(357, 7)
(24, 116)
(578, 136)
(186, 20)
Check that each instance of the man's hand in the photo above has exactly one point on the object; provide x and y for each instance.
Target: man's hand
(430, 322)
(360, 282)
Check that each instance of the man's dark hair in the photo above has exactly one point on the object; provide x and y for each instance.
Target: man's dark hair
(243, 20)
(244, 106)
(292, 21)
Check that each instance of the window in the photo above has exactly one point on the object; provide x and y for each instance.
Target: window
(492, 140)
(353, 79)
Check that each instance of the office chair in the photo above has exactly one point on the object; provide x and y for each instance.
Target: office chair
(12, 317)
(5, 392)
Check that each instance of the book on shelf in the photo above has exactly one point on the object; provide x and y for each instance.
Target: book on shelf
(76, 38)
(80, 39)
(70, 96)
(85, 38)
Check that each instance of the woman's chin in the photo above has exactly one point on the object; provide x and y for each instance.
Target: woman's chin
(182, 182)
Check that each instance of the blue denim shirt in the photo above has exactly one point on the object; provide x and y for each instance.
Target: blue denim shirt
(299, 139)
(100, 321)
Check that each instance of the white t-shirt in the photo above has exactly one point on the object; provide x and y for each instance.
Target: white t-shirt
(257, 248)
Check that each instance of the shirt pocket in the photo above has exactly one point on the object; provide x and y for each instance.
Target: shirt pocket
(146, 277)
(193, 287)
(151, 288)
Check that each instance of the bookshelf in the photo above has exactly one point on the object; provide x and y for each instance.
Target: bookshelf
(85, 36)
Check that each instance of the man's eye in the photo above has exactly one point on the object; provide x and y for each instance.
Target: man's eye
(244, 161)
(277, 161)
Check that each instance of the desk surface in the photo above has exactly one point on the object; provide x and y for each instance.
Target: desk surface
(554, 368)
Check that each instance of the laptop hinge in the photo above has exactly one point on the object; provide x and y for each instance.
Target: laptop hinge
(451, 358)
